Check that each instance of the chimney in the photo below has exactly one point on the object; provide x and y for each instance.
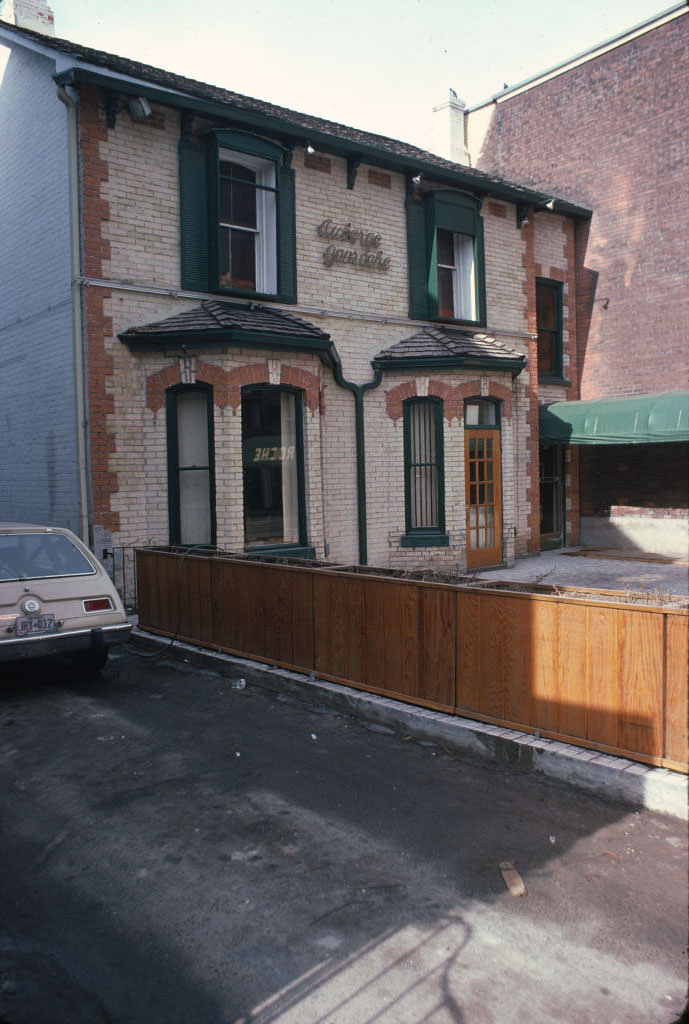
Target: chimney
(33, 14)
(448, 130)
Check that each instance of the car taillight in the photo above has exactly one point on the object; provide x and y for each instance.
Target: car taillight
(98, 604)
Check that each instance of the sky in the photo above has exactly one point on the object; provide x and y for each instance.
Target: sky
(377, 65)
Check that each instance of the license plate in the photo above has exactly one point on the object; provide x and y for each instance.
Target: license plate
(30, 625)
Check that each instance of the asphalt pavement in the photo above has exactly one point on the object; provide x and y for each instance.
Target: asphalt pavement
(181, 849)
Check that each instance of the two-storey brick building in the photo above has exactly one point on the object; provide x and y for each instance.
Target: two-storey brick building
(224, 322)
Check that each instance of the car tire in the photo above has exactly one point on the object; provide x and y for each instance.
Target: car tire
(89, 663)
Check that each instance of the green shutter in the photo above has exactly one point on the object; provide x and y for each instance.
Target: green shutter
(417, 259)
(287, 236)
(193, 201)
(455, 212)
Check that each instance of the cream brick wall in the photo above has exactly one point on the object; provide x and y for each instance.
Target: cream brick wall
(505, 302)
(363, 310)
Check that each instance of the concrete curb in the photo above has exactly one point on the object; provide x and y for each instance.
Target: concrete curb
(614, 778)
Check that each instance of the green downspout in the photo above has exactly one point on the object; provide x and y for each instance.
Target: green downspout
(358, 390)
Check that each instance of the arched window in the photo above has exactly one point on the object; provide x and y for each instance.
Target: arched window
(424, 481)
(191, 485)
(273, 467)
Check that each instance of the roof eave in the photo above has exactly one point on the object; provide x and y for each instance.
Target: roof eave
(155, 341)
(496, 364)
(282, 128)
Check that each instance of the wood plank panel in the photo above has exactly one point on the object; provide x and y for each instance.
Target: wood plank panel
(493, 625)
(374, 646)
(437, 646)
(301, 605)
(572, 670)
(640, 694)
(676, 688)
(545, 644)
(225, 598)
(468, 659)
(603, 674)
(249, 609)
(401, 628)
(275, 612)
(338, 633)
(517, 645)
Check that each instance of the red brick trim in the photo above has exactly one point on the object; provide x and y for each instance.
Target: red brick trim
(453, 396)
(532, 270)
(98, 326)
(227, 384)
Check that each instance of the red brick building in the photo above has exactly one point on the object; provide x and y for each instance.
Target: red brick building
(609, 129)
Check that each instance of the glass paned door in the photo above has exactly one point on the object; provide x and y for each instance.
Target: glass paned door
(551, 491)
(483, 497)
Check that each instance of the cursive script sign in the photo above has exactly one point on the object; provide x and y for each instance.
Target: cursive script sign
(360, 248)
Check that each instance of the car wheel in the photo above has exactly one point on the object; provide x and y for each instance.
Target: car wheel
(89, 663)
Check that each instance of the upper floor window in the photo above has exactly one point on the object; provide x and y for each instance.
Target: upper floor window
(424, 483)
(237, 217)
(456, 276)
(446, 260)
(549, 327)
(247, 235)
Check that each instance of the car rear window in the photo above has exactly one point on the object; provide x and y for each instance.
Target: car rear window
(35, 556)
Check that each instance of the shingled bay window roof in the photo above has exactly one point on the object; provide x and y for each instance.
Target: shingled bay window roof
(216, 324)
(435, 347)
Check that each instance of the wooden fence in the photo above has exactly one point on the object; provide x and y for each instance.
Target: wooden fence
(585, 669)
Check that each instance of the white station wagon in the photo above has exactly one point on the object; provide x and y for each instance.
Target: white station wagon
(56, 598)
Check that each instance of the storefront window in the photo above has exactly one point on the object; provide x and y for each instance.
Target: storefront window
(272, 466)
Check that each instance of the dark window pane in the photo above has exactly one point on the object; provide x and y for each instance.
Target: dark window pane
(243, 205)
(446, 248)
(546, 351)
(546, 308)
(446, 298)
(243, 259)
(225, 201)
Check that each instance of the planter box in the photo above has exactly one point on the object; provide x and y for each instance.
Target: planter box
(598, 668)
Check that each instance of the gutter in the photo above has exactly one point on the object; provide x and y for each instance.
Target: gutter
(77, 322)
(358, 390)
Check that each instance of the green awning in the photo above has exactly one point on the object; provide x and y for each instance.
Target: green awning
(635, 419)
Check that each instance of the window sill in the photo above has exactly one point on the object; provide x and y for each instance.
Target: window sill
(247, 293)
(549, 378)
(456, 322)
(424, 540)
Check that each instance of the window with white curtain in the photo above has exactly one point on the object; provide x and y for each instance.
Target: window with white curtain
(190, 465)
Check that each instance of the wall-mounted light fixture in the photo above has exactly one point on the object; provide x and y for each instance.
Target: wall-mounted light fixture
(550, 205)
(416, 180)
(309, 149)
(139, 108)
